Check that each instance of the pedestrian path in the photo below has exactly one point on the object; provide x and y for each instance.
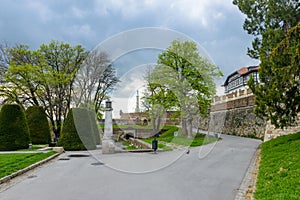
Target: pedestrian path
(173, 146)
(44, 149)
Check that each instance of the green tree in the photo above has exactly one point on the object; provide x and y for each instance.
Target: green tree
(77, 133)
(14, 132)
(38, 125)
(157, 100)
(182, 80)
(278, 97)
(268, 21)
(43, 77)
(276, 44)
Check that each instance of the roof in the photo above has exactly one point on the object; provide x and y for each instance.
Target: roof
(243, 72)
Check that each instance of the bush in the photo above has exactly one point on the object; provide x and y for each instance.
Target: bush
(14, 132)
(38, 125)
(77, 131)
(95, 129)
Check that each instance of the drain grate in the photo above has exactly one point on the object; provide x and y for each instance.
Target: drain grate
(32, 176)
(97, 163)
(64, 159)
(78, 155)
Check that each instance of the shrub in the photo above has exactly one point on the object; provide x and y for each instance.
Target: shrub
(14, 132)
(95, 129)
(38, 125)
(77, 132)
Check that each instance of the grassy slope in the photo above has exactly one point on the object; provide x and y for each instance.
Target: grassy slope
(10, 163)
(168, 136)
(279, 171)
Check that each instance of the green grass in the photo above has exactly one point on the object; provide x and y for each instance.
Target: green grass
(133, 126)
(129, 145)
(10, 163)
(160, 145)
(168, 137)
(279, 171)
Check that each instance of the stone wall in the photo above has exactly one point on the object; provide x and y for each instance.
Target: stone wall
(234, 114)
(238, 121)
(243, 122)
(271, 132)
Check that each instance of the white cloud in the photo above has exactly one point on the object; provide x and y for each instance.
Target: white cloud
(44, 13)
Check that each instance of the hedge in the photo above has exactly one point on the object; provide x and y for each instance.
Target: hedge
(77, 131)
(14, 132)
(95, 129)
(38, 125)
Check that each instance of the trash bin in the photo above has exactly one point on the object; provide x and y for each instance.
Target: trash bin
(154, 144)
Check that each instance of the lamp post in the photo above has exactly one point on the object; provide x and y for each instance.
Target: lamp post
(108, 106)
(108, 145)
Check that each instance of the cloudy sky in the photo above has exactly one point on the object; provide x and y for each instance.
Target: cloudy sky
(216, 25)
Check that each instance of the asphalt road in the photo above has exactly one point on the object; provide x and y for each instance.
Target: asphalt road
(214, 171)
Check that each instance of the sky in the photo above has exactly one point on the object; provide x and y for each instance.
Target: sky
(215, 25)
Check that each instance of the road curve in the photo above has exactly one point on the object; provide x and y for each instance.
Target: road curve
(211, 172)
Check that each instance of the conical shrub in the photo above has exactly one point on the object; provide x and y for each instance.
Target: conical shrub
(77, 132)
(14, 132)
(95, 129)
(38, 125)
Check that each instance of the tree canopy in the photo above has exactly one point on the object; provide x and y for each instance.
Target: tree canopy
(94, 80)
(268, 21)
(182, 80)
(50, 76)
(275, 25)
(278, 97)
(43, 77)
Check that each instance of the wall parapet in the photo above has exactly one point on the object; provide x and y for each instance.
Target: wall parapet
(237, 99)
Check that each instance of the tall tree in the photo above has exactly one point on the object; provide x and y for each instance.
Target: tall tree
(276, 44)
(4, 60)
(44, 77)
(268, 21)
(95, 79)
(157, 100)
(278, 97)
(184, 81)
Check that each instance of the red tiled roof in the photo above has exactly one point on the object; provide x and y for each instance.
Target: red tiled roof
(243, 70)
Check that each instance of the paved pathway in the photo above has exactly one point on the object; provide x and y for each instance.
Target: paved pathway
(214, 171)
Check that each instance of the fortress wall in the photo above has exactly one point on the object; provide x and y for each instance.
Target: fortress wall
(234, 114)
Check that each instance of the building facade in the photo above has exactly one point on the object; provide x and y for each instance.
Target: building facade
(238, 79)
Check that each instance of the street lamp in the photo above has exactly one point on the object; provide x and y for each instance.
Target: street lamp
(108, 105)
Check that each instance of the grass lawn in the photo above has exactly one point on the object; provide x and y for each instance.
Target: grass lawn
(279, 171)
(168, 137)
(10, 163)
(160, 145)
(129, 145)
(34, 147)
(133, 126)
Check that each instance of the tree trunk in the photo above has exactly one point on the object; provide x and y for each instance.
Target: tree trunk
(58, 128)
(158, 124)
(184, 129)
(154, 126)
(190, 128)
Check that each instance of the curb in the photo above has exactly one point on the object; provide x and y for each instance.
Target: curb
(247, 187)
(26, 169)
